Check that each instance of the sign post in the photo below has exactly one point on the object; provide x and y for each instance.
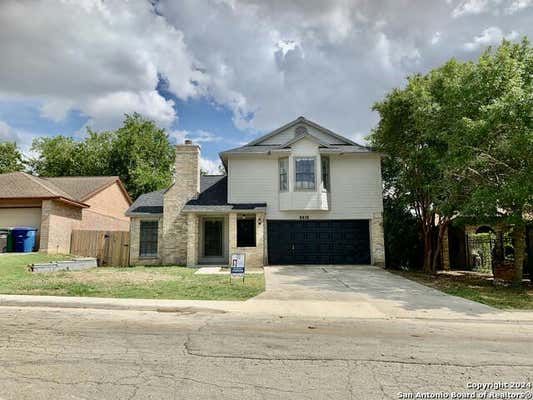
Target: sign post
(237, 266)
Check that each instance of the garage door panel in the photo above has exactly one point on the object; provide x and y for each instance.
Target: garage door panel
(11, 217)
(318, 242)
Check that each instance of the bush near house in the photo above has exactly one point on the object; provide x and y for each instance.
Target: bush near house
(169, 282)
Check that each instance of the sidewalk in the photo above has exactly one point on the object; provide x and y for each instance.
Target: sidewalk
(279, 308)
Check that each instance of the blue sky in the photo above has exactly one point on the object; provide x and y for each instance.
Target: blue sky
(222, 72)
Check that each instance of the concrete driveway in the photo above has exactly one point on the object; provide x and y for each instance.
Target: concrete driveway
(362, 290)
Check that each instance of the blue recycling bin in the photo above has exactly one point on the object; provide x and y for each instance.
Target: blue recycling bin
(23, 239)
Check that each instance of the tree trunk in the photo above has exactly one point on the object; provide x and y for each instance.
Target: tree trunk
(438, 246)
(428, 252)
(519, 241)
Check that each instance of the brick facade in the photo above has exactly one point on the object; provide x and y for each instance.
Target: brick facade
(255, 256)
(57, 222)
(192, 239)
(185, 187)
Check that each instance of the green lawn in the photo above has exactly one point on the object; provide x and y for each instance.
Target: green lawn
(169, 282)
(476, 288)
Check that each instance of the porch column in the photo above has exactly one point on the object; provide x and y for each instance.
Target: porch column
(377, 240)
(192, 240)
(258, 256)
(232, 221)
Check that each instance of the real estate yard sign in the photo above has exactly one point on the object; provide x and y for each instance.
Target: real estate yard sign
(237, 266)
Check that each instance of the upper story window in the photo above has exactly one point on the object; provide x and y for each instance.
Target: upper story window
(325, 173)
(304, 173)
(283, 174)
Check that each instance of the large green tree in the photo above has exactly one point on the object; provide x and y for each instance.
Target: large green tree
(458, 141)
(139, 152)
(494, 148)
(142, 155)
(10, 158)
(56, 156)
(413, 132)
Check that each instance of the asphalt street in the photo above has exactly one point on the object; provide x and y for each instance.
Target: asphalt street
(48, 353)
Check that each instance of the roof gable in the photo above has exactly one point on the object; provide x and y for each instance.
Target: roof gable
(305, 135)
(82, 187)
(298, 127)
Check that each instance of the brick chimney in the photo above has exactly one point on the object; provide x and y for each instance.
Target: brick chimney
(187, 165)
(185, 187)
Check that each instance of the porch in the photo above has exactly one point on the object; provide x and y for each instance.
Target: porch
(212, 236)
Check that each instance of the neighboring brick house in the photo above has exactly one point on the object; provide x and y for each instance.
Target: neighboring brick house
(298, 195)
(56, 206)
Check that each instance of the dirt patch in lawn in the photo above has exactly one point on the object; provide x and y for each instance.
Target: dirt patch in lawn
(102, 276)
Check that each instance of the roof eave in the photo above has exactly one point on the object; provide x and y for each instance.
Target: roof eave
(41, 198)
(135, 214)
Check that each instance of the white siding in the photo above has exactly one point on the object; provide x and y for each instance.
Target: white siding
(355, 184)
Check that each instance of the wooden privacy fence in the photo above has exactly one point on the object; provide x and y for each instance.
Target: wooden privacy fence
(111, 248)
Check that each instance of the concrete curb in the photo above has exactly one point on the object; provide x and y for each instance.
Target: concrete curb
(277, 308)
(116, 304)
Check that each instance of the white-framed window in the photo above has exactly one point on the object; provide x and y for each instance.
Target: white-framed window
(304, 176)
(325, 173)
(283, 174)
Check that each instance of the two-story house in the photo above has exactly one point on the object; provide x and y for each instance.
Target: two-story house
(301, 194)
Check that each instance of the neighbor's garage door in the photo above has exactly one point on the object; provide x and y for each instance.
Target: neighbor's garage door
(318, 242)
(11, 217)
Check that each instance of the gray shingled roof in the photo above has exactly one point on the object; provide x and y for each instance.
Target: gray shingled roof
(148, 203)
(213, 194)
(152, 203)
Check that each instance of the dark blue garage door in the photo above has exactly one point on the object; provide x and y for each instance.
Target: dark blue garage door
(318, 242)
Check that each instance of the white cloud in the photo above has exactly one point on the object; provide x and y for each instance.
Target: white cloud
(102, 58)
(148, 103)
(266, 61)
(210, 166)
(496, 7)
(198, 136)
(488, 37)
(518, 5)
(270, 62)
(22, 138)
(7, 134)
(467, 7)
(435, 38)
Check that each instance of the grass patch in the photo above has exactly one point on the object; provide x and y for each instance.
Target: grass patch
(168, 282)
(477, 288)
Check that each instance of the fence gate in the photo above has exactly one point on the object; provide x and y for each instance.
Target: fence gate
(110, 248)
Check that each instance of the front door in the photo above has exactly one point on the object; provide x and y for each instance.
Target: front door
(213, 238)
